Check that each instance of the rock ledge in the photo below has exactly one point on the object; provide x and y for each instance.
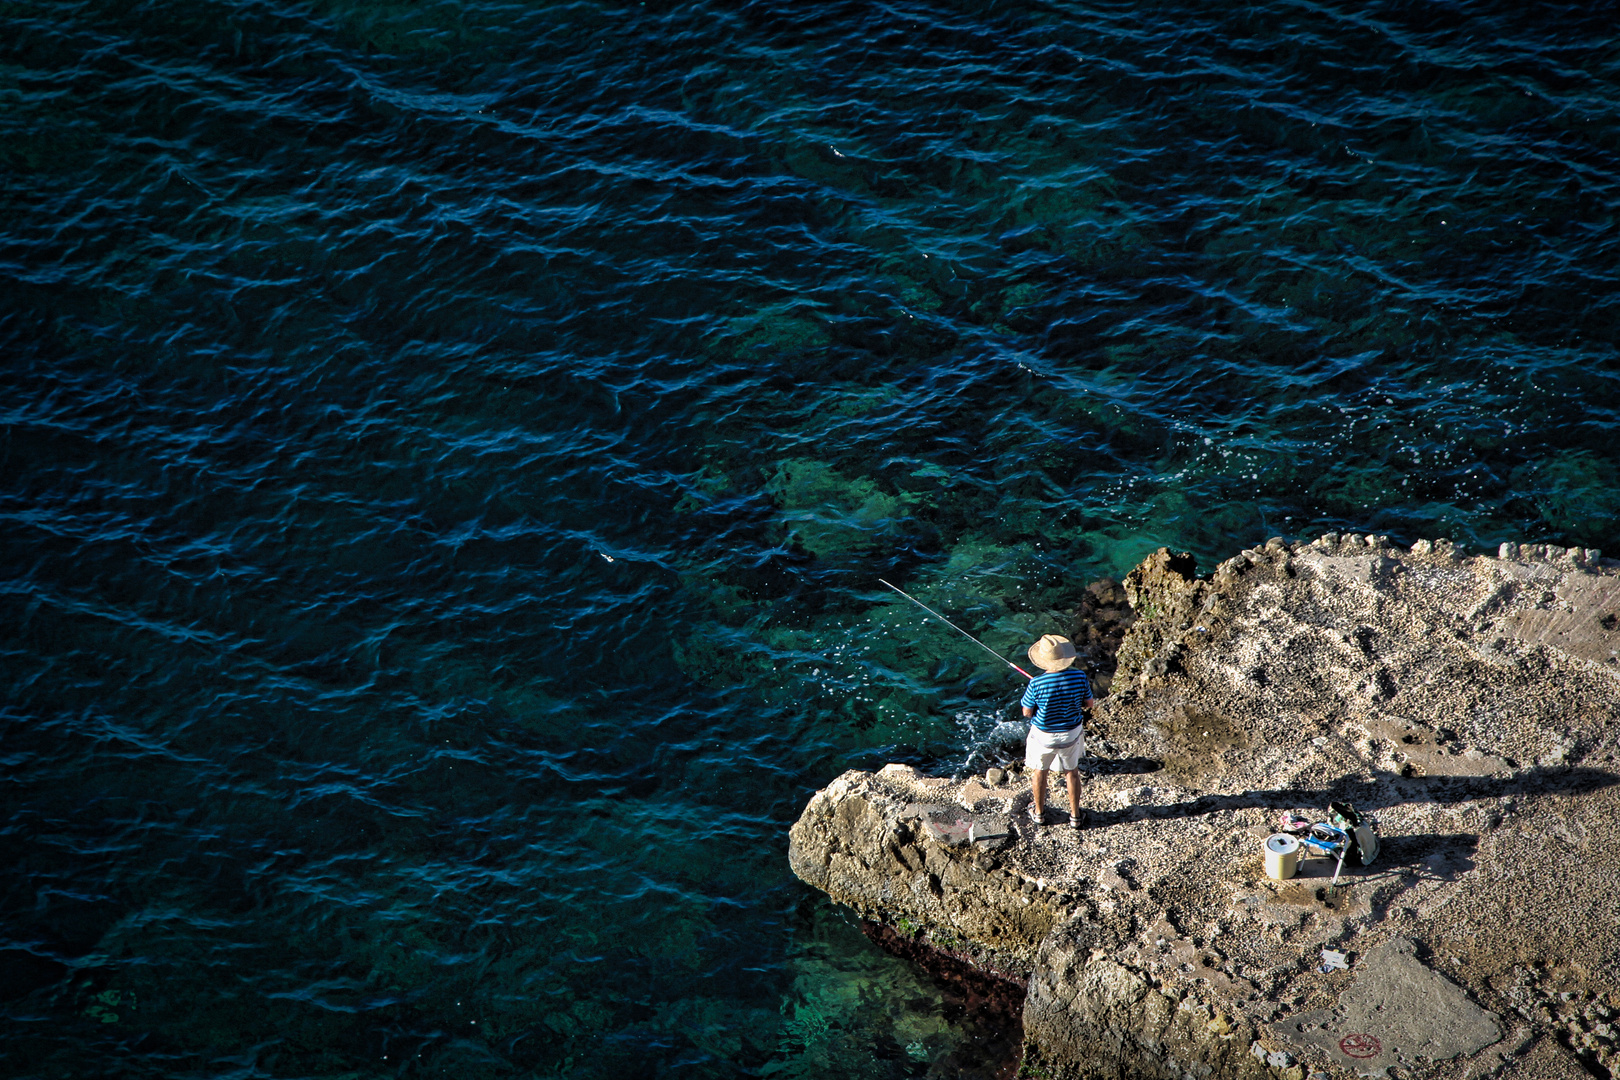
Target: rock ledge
(1471, 705)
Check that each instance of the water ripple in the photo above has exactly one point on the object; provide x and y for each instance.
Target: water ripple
(449, 451)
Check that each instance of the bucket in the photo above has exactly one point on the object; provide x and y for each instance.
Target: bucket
(1282, 856)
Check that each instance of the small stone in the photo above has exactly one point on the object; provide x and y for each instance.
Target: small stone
(1112, 880)
(1508, 550)
(973, 792)
(995, 777)
(1280, 1059)
(1222, 1025)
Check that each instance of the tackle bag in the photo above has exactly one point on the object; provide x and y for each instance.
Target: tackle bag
(1363, 835)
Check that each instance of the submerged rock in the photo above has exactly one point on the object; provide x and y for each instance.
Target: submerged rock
(1470, 705)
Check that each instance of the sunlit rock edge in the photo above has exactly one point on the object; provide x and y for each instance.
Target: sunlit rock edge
(1469, 703)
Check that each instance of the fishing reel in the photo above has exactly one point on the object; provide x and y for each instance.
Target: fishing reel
(1325, 840)
(1317, 837)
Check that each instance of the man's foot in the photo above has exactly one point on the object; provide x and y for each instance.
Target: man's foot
(1077, 820)
(1043, 818)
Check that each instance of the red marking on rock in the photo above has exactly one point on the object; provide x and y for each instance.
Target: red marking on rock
(1361, 1046)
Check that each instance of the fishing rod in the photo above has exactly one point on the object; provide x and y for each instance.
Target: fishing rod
(959, 630)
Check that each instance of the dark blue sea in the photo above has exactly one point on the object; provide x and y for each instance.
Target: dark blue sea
(448, 452)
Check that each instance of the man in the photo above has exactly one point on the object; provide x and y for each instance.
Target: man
(1057, 738)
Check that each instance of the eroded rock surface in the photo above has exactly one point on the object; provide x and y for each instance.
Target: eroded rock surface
(900, 846)
(1396, 1011)
(1472, 705)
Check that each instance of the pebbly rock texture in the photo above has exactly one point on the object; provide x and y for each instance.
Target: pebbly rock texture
(908, 849)
(1471, 705)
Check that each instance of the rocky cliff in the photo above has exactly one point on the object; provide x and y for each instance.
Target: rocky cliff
(1470, 704)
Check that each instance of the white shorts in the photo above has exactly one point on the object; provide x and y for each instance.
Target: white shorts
(1059, 750)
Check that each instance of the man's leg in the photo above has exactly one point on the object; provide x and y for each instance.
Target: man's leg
(1040, 795)
(1074, 795)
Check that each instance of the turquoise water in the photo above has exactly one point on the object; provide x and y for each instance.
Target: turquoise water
(450, 450)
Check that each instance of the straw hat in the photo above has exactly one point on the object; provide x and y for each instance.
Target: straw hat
(1054, 652)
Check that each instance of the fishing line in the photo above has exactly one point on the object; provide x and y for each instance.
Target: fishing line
(959, 630)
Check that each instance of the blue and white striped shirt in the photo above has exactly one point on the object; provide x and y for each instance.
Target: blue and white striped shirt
(1056, 697)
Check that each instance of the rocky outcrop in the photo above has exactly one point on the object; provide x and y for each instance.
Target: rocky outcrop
(1470, 704)
(909, 849)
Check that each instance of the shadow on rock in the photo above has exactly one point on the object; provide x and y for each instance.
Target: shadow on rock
(1387, 789)
(1129, 766)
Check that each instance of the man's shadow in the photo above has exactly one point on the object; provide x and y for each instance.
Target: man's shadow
(1126, 766)
(1384, 789)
